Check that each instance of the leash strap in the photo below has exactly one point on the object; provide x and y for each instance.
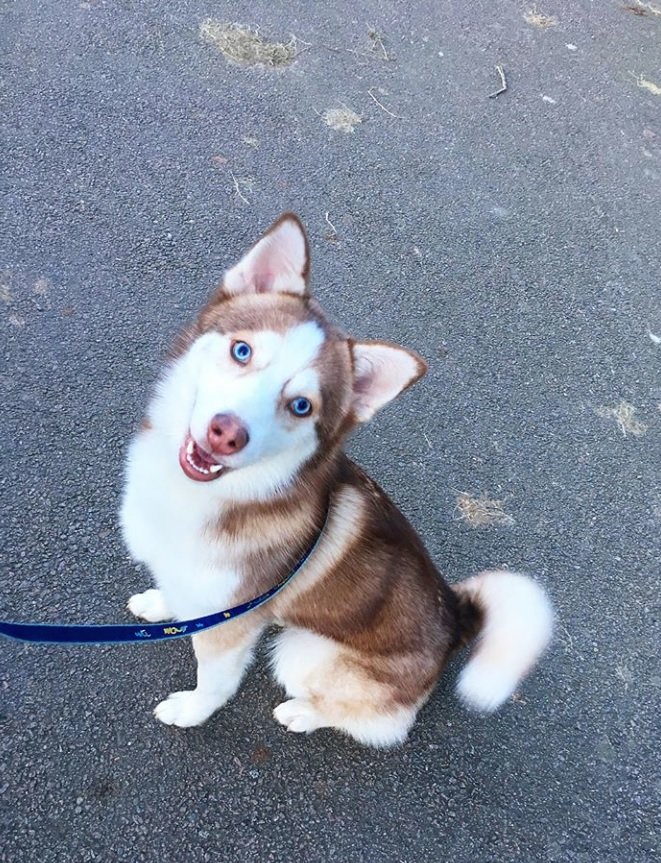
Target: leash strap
(57, 633)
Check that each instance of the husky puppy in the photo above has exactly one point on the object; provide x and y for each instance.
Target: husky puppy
(236, 469)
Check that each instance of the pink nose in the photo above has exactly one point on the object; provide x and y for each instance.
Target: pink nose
(226, 435)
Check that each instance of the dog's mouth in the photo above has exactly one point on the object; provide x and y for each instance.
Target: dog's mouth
(198, 464)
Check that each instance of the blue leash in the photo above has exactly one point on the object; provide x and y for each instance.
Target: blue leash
(90, 633)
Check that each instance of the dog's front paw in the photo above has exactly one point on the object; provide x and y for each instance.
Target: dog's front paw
(149, 605)
(297, 715)
(185, 709)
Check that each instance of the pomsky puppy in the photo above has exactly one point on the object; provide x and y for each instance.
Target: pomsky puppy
(237, 467)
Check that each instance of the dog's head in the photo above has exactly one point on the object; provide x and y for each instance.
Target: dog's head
(264, 382)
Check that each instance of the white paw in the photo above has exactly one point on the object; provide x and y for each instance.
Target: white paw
(185, 709)
(297, 715)
(149, 605)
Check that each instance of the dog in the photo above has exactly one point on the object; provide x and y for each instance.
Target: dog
(238, 469)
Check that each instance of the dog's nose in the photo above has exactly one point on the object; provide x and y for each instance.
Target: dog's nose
(226, 434)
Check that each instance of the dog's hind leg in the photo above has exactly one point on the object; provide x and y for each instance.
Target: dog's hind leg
(370, 727)
(149, 605)
(223, 655)
(330, 689)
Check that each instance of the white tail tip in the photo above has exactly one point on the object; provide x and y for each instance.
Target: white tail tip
(518, 624)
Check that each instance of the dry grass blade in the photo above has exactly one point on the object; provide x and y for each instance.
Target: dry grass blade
(341, 119)
(642, 9)
(646, 84)
(246, 47)
(624, 415)
(538, 19)
(503, 82)
(376, 50)
(332, 236)
(383, 107)
(241, 181)
(377, 44)
(480, 511)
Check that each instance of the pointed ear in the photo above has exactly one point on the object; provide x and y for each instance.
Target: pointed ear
(380, 372)
(279, 263)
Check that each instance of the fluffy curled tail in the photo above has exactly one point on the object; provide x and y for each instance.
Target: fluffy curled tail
(513, 621)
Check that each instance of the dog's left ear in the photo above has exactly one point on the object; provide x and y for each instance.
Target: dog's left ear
(380, 372)
(279, 263)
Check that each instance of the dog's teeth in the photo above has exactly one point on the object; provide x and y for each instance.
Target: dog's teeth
(193, 462)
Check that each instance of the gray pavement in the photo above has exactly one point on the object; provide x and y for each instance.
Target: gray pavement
(515, 242)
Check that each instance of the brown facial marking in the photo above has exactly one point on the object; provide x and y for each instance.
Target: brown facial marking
(249, 313)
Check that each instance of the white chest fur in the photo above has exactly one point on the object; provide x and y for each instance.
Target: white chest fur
(165, 520)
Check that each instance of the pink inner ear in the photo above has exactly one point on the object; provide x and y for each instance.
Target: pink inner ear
(276, 264)
(381, 372)
(263, 282)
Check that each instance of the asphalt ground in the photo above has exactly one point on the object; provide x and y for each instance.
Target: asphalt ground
(513, 241)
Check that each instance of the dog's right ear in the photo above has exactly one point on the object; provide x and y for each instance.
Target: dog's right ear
(279, 263)
(380, 372)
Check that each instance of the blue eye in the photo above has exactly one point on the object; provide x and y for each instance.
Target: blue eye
(241, 352)
(300, 406)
